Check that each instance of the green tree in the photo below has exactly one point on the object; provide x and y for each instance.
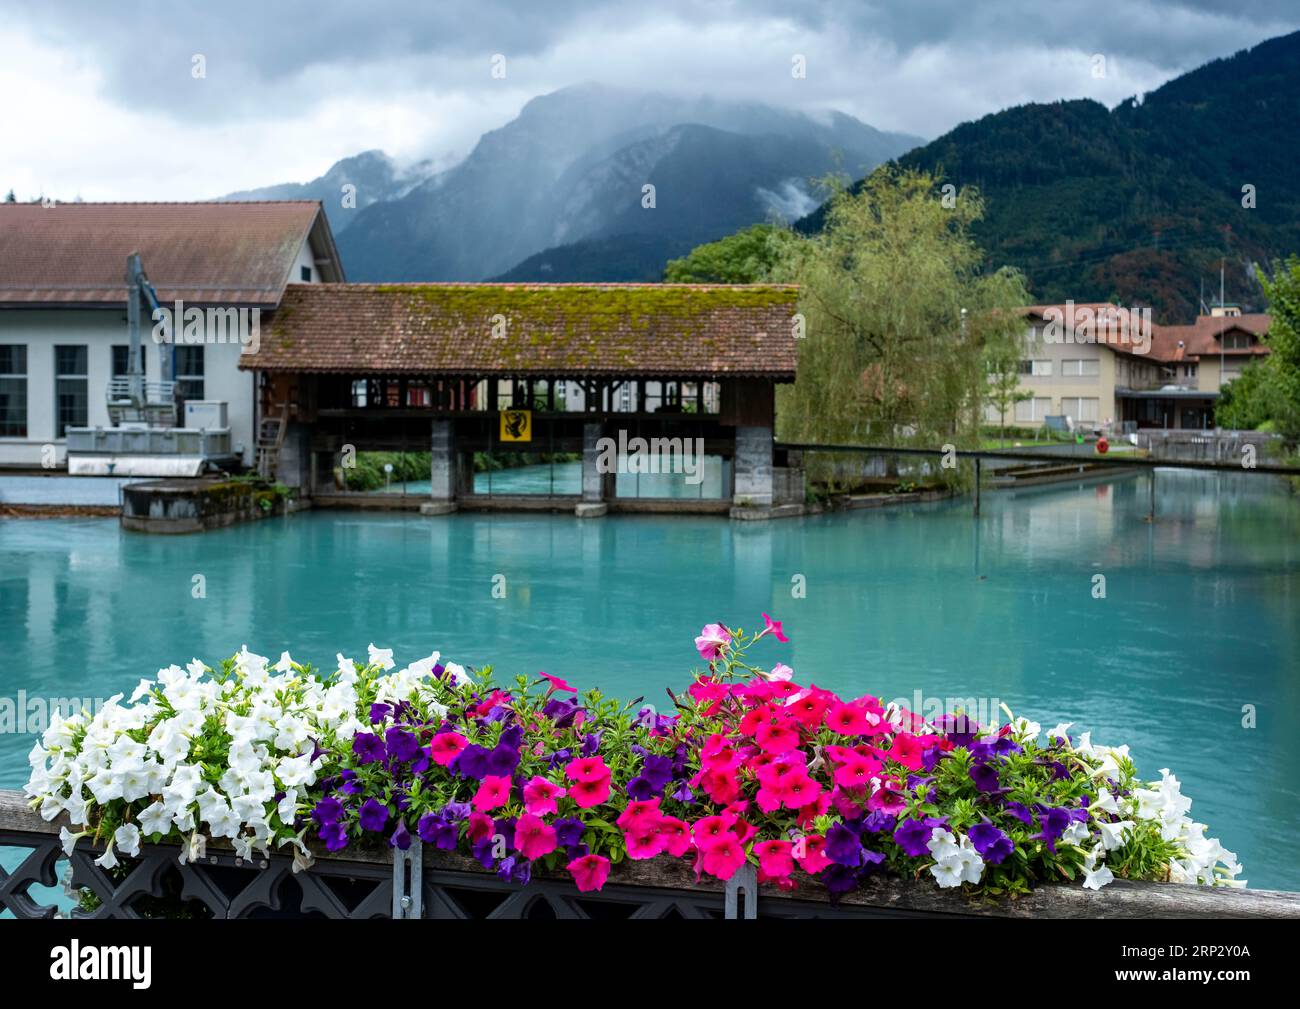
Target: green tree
(1268, 392)
(747, 257)
(887, 356)
(1002, 359)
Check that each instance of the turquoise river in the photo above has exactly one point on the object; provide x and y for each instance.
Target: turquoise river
(1192, 656)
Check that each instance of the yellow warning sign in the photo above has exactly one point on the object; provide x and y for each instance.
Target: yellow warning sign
(516, 425)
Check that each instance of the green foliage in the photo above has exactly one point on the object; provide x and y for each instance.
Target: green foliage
(888, 357)
(368, 473)
(1138, 202)
(747, 257)
(1268, 391)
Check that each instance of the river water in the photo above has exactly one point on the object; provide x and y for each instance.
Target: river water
(1195, 641)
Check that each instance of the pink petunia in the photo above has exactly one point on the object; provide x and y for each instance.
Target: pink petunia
(639, 814)
(724, 857)
(676, 835)
(849, 719)
(775, 858)
(590, 793)
(558, 684)
(589, 872)
(533, 836)
(480, 826)
(493, 792)
(707, 830)
(773, 627)
(643, 843)
(810, 852)
(445, 746)
(540, 796)
(586, 769)
(713, 641)
(777, 734)
(856, 771)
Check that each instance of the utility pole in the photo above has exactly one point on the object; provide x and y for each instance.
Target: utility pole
(1222, 320)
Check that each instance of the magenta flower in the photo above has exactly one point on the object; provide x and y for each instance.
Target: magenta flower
(492, 793)
(773, 627)
(540, 796)
(589, 872)
(533, 837)
(713, 641)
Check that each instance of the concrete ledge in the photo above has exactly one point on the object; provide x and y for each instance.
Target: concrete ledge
(591, 509)
(752, 513)
(438, 507)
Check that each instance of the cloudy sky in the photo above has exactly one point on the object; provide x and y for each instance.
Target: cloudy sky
(101, 100)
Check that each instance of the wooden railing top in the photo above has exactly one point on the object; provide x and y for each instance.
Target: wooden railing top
(1121, 899)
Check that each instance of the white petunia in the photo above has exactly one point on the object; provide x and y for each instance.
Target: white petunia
(1112, 834)
(127, 837)
(70, 839)
(381, 657)
(1095, 879)
(155, 819)
(108, 860)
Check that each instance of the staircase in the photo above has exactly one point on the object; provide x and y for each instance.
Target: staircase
(270, 436)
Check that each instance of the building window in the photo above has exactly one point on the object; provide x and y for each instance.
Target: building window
(306, 274)
(1035, 409)
(360, 387)
(122, 360)
(189, 373)
(13, 391)
(1084, 368)
(1041, 369)
(71, 388)
(1080, 408)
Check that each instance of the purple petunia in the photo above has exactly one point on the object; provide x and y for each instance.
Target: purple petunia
(985, 777)
(568, 831)
(438, 830)
(334, 835)
(401, 838)
(402, 746)
(992, 844)
(374, 815)
(914, 835)
(368, 747)
(843, 846)
(328, 810)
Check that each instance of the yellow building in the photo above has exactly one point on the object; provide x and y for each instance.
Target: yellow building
(1111, 369)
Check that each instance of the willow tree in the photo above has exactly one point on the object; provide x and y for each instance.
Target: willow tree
(888, 355)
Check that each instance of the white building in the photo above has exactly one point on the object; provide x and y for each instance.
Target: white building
(63, 306)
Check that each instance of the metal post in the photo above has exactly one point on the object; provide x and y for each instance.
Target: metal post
(978, 474)
(408, 885)
(744, 881)
(1151, 513)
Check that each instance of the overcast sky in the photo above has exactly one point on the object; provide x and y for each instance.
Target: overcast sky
(100, 100)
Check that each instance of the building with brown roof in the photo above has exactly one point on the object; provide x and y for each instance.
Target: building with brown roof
(64, 297)
(1108, 368)
(381, 366)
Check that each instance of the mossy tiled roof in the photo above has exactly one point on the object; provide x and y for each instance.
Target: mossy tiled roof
(550, 329)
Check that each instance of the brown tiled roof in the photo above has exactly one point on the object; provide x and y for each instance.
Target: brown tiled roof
(1199, 338)
(218, 253)
(550, 329)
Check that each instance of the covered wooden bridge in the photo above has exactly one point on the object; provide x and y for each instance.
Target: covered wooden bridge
(464, 369)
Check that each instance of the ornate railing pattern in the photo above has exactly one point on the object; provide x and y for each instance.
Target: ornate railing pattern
(447, 885)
